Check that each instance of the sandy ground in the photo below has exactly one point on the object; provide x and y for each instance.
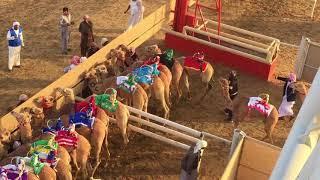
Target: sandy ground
(145, 158)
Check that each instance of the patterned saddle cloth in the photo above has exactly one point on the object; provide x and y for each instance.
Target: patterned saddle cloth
(103, 101)
(195, 63)
(67, 138)
(84, 106)
(33, 164)
(145, 73)
(127, 83)
(14, 171)
(166, 58)
(258, 104)
(53, 129)
(46, 150)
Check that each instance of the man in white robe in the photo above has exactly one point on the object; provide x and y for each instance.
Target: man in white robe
(137, 10)
(15, 41)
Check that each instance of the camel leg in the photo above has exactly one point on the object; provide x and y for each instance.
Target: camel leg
(106, 146)
(122, 122)
(73, 156)
(184, 84)
(83, 168)
(96, 147)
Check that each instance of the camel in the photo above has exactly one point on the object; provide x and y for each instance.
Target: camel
(62, 166)
(183, 67)
(116, 59)
(98, 137)
(159, 88)
(4, 140)
(79, 155)
(134, 95)
(165, 75)
(25, 129)
(37, 119)
(45, 173)
(241, 109)
(111, 107)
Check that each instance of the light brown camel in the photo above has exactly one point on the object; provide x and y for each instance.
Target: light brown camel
(116, 59)
(165, 75)
(98, 137)
(181, 73)
(25, 118)
(37, 119)
(4, 141)
(119, 110)
(46, 172)
(79, 155)
(241, 110)
(25, 129)
(138, 98)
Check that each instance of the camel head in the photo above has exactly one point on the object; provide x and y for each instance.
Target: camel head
(91, 74)
(67, 93)
(35, 112)
(24, 119)
(153, 50)
(123, 47)
(101, 69)
(5, 136)
(112, 54)
(46, 102)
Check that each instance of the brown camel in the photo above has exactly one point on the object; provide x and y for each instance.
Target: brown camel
(137, 99)
(241, 111)
(120, 112)
(159, 89)
(25, 129)
(4, 140)
(181, 72)
(165, 75)
(63, 169)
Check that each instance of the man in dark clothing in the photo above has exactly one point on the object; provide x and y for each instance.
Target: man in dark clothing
(92, 49)
(190, 162)
(289, 96)
(86, 31)
(233, 92)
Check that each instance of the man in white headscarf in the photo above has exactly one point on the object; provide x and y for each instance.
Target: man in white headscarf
(15, 41)
(137, 10)
(288, 97)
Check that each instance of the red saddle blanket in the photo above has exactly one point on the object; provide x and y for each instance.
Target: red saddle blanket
(84, 106)
(151, 61)
(67, 138)
(194, 63)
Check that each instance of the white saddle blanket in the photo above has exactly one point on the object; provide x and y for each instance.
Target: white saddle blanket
(258, 104)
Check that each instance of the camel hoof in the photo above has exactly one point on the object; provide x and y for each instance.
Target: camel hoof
(91, 178)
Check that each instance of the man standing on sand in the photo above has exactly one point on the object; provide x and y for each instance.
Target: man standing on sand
(65, 23)
(15, 41)
(86, 31)
(137, 10)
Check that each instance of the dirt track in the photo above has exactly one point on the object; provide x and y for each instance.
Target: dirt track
(145, 158)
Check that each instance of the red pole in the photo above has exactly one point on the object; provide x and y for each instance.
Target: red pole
(180, 14)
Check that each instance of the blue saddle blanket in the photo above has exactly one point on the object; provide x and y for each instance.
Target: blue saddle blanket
(144, 74)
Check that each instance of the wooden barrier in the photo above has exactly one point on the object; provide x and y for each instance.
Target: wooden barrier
(251, 159)
(73, 79)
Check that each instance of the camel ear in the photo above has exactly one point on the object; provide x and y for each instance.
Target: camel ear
(39, 99)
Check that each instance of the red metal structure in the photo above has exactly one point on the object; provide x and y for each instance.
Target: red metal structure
(182, 17)
(224, 52)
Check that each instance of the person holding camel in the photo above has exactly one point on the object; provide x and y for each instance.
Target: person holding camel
(288, 97)
(233, 92)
